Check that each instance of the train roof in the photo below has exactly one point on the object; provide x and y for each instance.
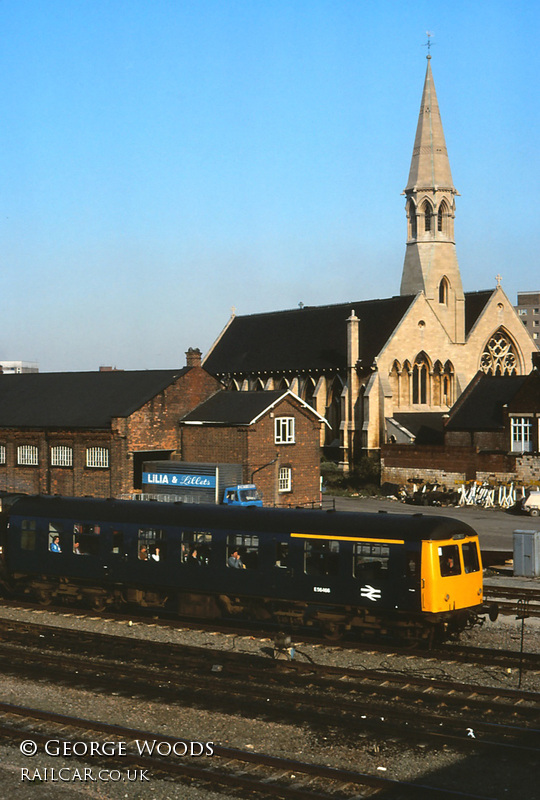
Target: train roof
(405, 527)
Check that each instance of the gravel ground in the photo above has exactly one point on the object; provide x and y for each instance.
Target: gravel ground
(434, 765)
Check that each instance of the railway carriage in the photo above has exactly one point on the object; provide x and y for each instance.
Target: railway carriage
(410, 576)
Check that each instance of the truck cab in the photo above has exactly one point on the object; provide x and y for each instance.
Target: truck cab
(245, 494)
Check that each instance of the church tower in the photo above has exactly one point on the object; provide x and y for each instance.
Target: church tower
(431, 264)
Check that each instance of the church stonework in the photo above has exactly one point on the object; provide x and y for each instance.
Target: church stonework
(377, 368)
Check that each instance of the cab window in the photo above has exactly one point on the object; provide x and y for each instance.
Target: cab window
(471, 562)
(321, 557)
(371, 560)
(449, 560)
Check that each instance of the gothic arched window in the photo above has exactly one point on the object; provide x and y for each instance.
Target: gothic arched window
(426, 209)
(412, 220)
(420, 380)
(443, 290)
(441, 217)
(500, 355)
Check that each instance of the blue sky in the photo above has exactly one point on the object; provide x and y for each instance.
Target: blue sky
(162, 161)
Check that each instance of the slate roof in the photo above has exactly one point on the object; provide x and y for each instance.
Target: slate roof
(426, 426)
(77, 399)
(235, 408)
(480, 408)
(314, 337)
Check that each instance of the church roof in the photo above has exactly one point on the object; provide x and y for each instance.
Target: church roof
(308, 338)
(430, 166)
(78, 399)
(314, 337)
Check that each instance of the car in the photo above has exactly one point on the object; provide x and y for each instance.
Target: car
(531, 504)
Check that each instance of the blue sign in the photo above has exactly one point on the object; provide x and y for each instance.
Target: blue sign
(176, 480)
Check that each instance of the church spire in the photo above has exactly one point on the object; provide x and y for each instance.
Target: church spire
(430, 167)
(431, 264)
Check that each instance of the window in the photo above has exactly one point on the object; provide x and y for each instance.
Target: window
(151, 544)
(522, 312)
(426, 208)
(371, 560)
(247, 547)
(2, 454)
(471, 562)
(196, 548)
(321, 557)
(284, 479)
(85, 541)
(55, 529)
(284, 430)
(61, 456)
(27, 455)
(521, 434)
(28, 534)
(449, 560)
(282, 554)
(97, 457)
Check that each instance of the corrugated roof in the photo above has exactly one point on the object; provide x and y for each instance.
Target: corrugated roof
(77, 399)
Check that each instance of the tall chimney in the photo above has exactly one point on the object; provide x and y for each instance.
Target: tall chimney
(193, 357)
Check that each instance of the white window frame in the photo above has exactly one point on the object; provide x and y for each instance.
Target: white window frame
(521, 429)
(284, 430)
(27, 455)
(97, 457)
(285, 479)
(2, 454)
(61, 456)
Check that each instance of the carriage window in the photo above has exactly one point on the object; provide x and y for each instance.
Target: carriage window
(28, 534)
(55, 529)
(151, 544)
(321, 557)
(247, 547)
(196, 548)
(371, 560)
(471, 561)
(85, 541)
(282, 554)
(117, 542)
(449, 560)
(413, 563)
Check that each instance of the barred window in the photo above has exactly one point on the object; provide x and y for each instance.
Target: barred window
(284, 430)
(97, 457)
(285, 479)
(27, 455)
(61, 456)
(2, 454)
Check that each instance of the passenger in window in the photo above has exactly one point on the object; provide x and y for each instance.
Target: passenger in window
(194, 559)
(143, 553)
(76, 549)
(235, 561)
(155, 554)
(55, 545)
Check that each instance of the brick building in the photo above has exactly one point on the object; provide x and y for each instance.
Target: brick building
(88, 433)
(274, 435)
(492, 433)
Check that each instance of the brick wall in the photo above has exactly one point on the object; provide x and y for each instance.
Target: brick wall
(254, 447)
(443, 465)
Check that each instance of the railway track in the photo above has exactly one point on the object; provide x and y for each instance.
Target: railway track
(257, 773)
(367, 702)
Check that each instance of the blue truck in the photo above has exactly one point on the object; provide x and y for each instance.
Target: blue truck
(175, 481)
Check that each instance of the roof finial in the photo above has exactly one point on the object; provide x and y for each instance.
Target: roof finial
(429, 34)
(498, 278)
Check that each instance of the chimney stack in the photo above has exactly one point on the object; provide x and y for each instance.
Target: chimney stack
(193, 357)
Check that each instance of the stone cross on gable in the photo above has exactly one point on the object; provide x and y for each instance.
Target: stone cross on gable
(498, 278)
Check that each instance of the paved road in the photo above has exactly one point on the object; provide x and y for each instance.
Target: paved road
(494, 527)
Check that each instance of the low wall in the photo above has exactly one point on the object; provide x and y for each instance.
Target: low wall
(446, 465)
